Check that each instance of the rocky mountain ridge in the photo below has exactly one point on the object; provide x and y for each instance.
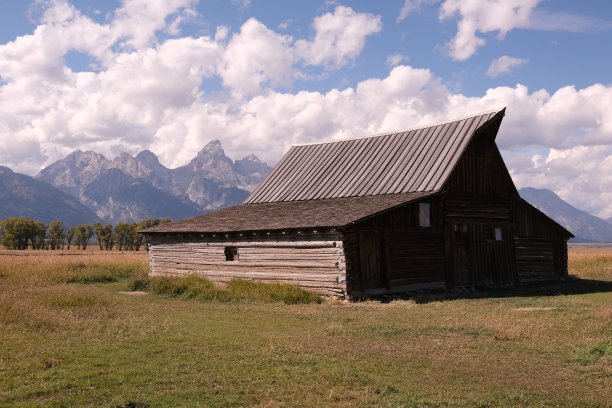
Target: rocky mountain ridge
(129, 188)
(24, 196)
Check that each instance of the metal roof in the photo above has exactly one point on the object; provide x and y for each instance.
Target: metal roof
(410, 161)
(330, 213)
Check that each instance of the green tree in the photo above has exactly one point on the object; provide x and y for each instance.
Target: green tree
(83, 234)
(38, 233)
(70, 236)
(126, 236)
(56, 234)
(19, 232)
(104, 234)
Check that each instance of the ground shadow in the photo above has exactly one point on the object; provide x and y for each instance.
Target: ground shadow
(570, 286)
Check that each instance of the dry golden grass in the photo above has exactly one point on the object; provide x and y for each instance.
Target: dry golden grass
(69, 337)
(590, 262)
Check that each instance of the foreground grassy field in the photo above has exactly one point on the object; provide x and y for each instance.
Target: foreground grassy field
(70, 335)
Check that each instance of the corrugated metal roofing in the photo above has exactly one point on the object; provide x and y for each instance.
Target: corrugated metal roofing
(331, 213)
(415, 160)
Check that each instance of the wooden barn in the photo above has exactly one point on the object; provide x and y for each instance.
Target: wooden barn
(433, 207)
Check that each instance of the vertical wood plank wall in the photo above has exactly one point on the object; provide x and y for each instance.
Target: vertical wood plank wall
(316, 263)
(490, 262)
(409, 255)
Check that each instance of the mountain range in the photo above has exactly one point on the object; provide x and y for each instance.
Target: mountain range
(24, 196)
(86, 187)
(132, 188)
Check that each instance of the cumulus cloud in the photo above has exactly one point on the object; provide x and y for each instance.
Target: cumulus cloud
(154, 96)
(484, 16)
(255, 57)
(340, 37)
(504, 65)
(501, 17)
(411, 6)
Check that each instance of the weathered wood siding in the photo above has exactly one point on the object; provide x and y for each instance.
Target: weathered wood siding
(488, 262)
(390, 252)
(541, 249)
(479, 196)
(315, 263)
(481, 171)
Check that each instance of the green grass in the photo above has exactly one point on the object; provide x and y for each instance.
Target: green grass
(194, 287)
(75, 344)
(100, 273)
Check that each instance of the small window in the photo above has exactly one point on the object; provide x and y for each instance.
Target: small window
(231, 254)
(424, 215)
(497, 234)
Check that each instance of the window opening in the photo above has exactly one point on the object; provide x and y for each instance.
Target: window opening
(424, 215)
(231, 254)
(497, 234)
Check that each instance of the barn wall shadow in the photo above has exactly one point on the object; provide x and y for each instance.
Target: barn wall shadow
(570, 286)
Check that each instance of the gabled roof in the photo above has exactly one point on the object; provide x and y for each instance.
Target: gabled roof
(324, 213)
(415, 160)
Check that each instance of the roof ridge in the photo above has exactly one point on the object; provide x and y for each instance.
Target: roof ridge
(382, 134)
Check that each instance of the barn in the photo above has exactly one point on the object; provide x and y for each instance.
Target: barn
(433, 207)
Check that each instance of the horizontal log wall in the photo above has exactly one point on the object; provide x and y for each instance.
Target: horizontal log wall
(541, 246)
(535, 259)
(313, 263)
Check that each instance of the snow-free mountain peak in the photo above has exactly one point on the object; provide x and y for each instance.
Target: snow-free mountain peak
(210, 181)
(24, 196)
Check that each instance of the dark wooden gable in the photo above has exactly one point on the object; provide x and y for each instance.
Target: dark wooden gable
(481, 171)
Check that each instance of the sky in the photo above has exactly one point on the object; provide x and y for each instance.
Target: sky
(262, 75)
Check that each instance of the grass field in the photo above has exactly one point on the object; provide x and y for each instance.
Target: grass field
(71, 334)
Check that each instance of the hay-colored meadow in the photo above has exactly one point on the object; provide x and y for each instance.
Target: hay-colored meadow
(72, 334)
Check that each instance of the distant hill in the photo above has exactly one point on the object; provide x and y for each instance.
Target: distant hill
(131, 188)
(24, 196)
(586, 227)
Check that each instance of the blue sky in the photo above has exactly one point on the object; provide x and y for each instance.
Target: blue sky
(260, 75)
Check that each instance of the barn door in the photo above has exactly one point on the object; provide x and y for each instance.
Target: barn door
(370, 257)
(462, 275)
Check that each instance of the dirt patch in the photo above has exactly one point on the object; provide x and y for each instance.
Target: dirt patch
(533, 309)
(134, 293)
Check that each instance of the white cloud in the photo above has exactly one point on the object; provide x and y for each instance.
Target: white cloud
(503, 16)
(396, 59)
(257, 57)
(411, 6)
(504, 65)
(339, 37)
(152, 97)
(484, 16)
(137, 21)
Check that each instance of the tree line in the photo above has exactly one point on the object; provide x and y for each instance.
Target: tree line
(23, 232)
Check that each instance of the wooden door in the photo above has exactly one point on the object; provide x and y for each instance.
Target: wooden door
(462, 274)
(370, 257)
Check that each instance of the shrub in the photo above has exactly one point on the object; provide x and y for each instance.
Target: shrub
(194, 287)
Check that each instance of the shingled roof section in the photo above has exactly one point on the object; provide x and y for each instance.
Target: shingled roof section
(415, 160)
(324, 213)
